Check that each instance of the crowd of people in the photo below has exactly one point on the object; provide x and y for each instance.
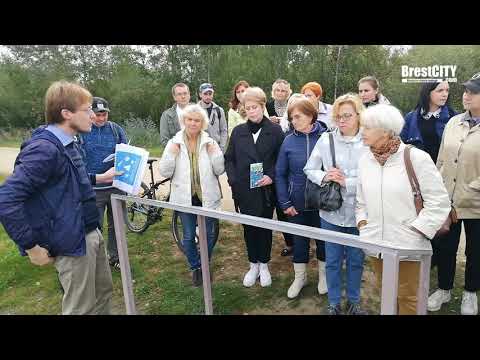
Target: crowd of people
(54, 203)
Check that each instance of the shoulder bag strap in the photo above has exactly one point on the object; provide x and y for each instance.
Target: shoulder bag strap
(332, 149)
(417, 196)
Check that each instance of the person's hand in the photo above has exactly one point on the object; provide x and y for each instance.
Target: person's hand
(39, 256)
(212, 148)
(335, 175)
(291, 211)
(107, 176)
(274, 119)
(264, 181)
(174, 149)
(361, 224)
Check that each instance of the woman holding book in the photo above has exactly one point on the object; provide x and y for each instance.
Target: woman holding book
(253, 148)
(194, 161)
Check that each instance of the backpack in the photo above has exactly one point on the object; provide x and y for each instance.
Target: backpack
(113, 125)
(80, 141)
(219, 115)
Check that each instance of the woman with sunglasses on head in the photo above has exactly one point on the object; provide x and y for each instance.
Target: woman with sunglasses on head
(348, 147)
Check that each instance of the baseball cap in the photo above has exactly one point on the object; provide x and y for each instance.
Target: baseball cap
(206, 87)
(473, 84)
(99, 104)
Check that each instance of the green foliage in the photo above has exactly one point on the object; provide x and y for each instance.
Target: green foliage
(137, 83)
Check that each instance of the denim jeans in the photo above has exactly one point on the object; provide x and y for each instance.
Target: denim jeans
(335, 254)
(189, 223)
(301, 245)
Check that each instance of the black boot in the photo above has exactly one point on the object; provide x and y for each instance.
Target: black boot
(197, 277)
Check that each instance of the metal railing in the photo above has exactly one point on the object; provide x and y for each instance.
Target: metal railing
(390, 255)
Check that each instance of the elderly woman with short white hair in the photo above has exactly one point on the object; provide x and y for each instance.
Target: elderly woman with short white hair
(194, 161)
(385, 211)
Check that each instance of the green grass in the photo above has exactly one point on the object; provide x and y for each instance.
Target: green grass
(10, 143)
(155, 151)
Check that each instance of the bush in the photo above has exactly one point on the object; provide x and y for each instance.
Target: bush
(142, 132)
(14, 135)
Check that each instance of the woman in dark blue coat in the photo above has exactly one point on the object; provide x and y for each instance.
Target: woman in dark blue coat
(424, 126)
(290, 185)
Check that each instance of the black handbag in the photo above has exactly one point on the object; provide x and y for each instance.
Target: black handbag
(326, 196)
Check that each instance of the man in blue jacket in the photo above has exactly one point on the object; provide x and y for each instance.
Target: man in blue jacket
(48, 203)
(97, 145)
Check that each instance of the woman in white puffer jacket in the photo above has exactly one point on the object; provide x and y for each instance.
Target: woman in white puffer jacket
(194, 161)
(385, 210)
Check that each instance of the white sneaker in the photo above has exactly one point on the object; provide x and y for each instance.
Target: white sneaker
(322, 278)
(252, 275)
(438, 298)
(265, 278)
(299, 281)
(469, 303)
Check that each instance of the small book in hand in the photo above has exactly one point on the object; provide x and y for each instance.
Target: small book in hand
(256, 174)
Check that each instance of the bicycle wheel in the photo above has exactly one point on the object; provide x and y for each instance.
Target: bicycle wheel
(136, 214)
(177, 231)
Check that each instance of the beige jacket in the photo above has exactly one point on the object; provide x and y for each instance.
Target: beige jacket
(459, 164)
(385, 200)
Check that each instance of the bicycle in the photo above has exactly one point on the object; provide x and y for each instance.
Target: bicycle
(139, 217)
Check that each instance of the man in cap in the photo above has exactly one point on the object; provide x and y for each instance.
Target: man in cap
(217, 124)
(169, 122)
(97, 145)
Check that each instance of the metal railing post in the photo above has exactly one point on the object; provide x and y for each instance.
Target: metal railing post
(389, 283)
(391, 255)
(125, 272)
(423, 284)
(207, 286)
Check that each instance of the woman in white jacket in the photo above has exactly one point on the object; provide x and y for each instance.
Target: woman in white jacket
(385, 210)
(194, 161)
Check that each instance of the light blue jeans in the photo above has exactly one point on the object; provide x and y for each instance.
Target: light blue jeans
(189, 223)
(334, 256)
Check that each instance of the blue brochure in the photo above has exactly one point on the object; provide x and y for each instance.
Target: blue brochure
(256, 174)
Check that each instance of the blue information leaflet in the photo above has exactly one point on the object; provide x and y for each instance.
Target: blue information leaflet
(131, 161)
(128, 163)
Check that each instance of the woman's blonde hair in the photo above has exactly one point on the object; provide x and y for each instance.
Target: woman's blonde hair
(349, 98)
(195, 109)
(255, 94)
(284, 82)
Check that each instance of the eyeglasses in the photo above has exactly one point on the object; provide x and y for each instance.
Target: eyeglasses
(345, 117)
(89, 111)
(253, 107)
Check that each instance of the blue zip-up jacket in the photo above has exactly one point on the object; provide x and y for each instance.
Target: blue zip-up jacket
(411, 130)
(48, 200)
(290, 180)
(98, 144)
